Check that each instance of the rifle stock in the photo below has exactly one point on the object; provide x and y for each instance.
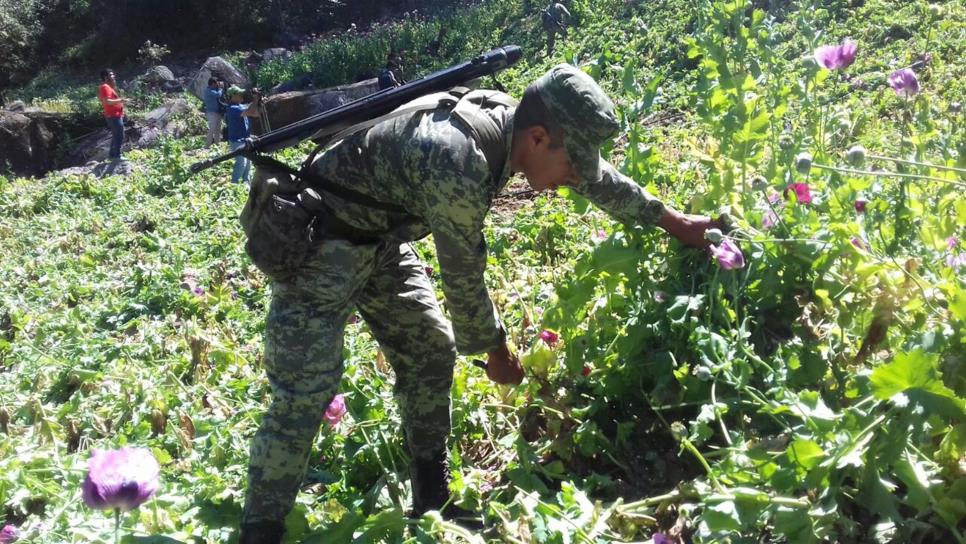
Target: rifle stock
(379, 103)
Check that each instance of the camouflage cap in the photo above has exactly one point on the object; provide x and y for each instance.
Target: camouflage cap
(233, 90)
(584, 112)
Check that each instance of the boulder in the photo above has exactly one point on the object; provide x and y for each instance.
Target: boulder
(286, 108)
(297, 83)
(117, 167)
(156, 75)
(30, 141)
(219, 68)
(156, 124)
(276, 53)
(17, 106)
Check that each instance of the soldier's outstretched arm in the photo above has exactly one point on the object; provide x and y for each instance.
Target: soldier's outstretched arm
(623, 199)
(456, 203)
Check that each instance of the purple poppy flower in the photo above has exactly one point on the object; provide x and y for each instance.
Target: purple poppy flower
(661, 538)
(802, 192)
(860, 204)
(600, 235)
(836, 57)
(952, 242)
(353, 319)
(9, 534)
(859, 243)
(549, 337)
(956, 261)
(122, 479)
(429, 270)
(198, 291)
(904, 82)
(335, 411)
(728, 255)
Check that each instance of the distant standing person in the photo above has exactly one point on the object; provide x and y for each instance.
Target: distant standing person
(113, 111)
(391, 75)
(555, 18)
(239, 128)
(214, 110)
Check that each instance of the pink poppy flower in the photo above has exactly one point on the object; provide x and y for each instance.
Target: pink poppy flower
(728, 255)
(9, 534)
(836, 57)
(335, 411)
(121, 479)
(549, 337)
(952, 242)
(802, 192)
(904, 82)
(859, 243)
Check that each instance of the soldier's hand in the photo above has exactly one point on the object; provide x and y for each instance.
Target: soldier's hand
(504, 367)
(689, 229)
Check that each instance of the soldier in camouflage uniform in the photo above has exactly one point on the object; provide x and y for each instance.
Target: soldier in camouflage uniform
(428, 163)
(555, 18)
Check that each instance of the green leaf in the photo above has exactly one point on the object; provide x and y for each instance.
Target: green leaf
(915, 374)
(807, 453)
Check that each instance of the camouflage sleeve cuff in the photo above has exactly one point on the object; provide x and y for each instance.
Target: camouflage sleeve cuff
(621, 197)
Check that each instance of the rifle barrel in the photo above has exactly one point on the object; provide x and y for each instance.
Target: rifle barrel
(374, 105)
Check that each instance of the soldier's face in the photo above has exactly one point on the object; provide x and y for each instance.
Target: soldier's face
(544, 166)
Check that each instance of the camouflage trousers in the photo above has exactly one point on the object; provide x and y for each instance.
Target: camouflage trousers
(552, 31)
(303, 360)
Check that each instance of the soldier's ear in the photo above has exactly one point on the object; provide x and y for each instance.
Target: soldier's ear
(537, 135)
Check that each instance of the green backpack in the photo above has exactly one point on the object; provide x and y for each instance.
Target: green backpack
(285, 217)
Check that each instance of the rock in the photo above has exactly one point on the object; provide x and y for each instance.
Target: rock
(287, 108)
(295, 84)
(30, 141)
(17, 106)
(276, 53)
(171, 87)
(118, 167)
(219, 68)
(157, 123)
(157, 75)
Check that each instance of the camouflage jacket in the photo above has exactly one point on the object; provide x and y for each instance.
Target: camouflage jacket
(429, 164)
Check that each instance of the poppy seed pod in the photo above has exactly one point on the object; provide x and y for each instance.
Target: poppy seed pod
(713, 235)
(803, 163)
(856, 155)
(759, 183)
(786, 142)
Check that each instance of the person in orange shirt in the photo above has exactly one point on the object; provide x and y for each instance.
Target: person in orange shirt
(113, 111)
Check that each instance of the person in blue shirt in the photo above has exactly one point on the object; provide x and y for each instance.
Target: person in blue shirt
(213, 110)
(239, 128)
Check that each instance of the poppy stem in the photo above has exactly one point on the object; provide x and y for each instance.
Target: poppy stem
(885, 174)
(117, 524)
(917, 163)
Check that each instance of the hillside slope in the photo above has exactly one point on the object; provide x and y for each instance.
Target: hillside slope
(814, 394)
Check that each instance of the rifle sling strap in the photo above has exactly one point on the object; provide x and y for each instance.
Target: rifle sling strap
(464, 104)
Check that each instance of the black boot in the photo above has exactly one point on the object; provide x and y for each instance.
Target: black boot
(430, 481)
(262, 532)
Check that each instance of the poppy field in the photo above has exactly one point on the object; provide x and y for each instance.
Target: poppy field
(803, 380)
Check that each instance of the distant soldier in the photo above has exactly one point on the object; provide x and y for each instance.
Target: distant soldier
(433, 49)
(555, 18)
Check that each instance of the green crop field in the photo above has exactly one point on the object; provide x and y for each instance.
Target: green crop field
(817, 393)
